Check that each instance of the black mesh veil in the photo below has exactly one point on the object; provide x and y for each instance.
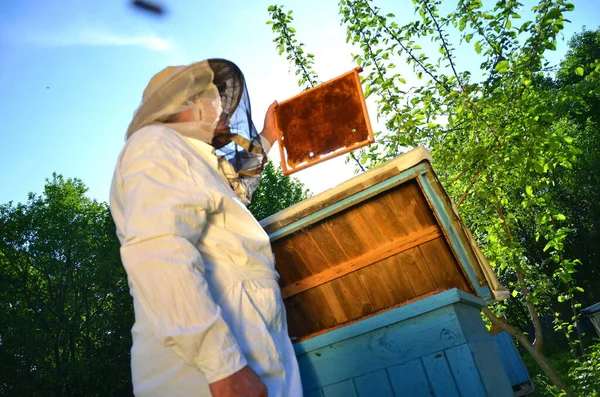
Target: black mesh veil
(236, 137)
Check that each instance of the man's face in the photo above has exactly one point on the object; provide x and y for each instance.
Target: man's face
(222, 126)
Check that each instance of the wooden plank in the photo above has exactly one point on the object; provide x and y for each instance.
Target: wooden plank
(465, 371)
(378, 214)
(347, 298)
(416, 270)
(342, 389)
(297, 322)
(307, 249)
(367, 230)
(409, 379)
(461, 244)
(402, 168)
(343, 229)
(327, 243)
(405, 210)
(333, 300)
(334, 254)
(289, 264)
(314, 308)
(385, 251)
(446, 272)
(395, 280)
(379, 294)
(373, 384)
(505, 360)
(425, 213)
(439, 375)
(495, 381)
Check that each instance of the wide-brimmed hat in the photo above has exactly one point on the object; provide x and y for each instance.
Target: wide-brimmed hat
(170, 88)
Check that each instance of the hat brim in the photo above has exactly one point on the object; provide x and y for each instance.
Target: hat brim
(170, 89)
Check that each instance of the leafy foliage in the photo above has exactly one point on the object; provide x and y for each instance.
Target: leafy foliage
(287, 43)
(65, 310)
(584, 373)
(276, 192)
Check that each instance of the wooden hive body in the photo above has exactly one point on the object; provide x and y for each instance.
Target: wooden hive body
(373, 243)
(383, 287)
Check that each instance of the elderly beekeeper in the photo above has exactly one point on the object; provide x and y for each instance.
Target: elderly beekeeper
(209, 317)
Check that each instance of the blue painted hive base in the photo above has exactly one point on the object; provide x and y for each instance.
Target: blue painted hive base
(437, 346)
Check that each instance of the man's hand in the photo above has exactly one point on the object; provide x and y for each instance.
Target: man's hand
(269, 130)
(244, 383)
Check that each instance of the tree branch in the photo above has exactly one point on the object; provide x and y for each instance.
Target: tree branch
(555, 378)
(406, 49)
(448, 54)
(471, 183)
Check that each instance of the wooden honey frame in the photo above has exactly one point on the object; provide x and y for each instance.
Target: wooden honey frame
(342, 149)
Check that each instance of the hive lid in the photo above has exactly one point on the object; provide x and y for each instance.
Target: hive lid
(346, 189)
(323, 122)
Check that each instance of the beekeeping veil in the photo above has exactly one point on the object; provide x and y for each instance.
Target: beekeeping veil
(215, 93)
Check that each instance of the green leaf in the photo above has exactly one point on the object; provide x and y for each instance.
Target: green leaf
(501, 67)
(579, 71)
(529, 190)
(539, 168)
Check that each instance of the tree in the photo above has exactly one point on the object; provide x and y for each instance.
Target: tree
(579, 187)
(276, 192)
(498, 143)
(65, 309)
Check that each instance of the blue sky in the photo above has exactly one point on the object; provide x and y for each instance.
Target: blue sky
(72, 73)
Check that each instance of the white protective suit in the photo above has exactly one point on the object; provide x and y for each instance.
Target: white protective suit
(200, 270)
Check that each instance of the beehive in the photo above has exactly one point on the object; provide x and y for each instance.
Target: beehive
(385, 238)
